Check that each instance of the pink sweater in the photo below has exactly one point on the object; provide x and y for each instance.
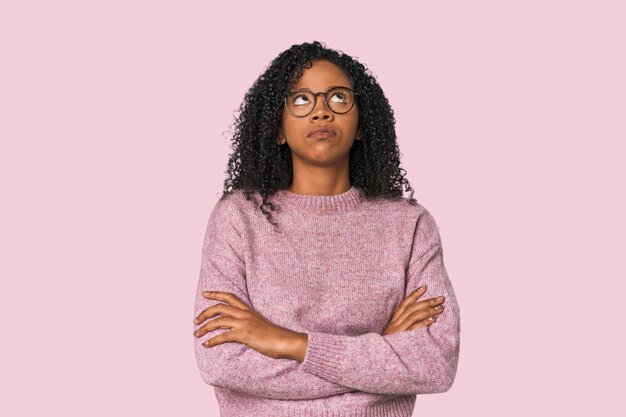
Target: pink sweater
(338, 271)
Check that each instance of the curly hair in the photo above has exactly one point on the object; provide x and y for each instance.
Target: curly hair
(259, 164)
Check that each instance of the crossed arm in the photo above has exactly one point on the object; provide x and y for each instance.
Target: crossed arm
(416, 361)
(408, 362)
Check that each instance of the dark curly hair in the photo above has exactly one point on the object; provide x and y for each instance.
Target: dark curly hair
(259, 164)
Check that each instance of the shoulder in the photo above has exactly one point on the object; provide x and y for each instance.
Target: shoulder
(417, 225)
(237, 212)
(417, 220)
(425, 222)
(412, 219)
(232, 206)
(414, 213)
(224, 211)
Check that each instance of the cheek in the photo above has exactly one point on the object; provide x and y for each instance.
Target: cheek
(287, 125)
(354, 123)
(295, 127)
(355, 118)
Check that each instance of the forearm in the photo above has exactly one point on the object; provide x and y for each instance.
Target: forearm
(238, 367)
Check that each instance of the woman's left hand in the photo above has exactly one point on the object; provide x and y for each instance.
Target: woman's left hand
(248, 327)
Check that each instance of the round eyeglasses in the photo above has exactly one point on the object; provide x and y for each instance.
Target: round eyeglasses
(301, 102)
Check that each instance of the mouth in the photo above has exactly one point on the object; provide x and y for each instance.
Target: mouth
(321, 132)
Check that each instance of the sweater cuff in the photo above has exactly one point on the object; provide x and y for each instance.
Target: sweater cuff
(324, 355)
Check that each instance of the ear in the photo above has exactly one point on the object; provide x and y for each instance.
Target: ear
(359, 134)
(281, 137)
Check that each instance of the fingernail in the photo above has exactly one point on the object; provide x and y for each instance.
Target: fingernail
(440, 298)
(421, 288)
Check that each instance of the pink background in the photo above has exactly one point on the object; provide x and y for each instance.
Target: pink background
(114, 119)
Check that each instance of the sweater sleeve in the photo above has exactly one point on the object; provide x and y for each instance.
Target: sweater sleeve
(418, 361)
(234, 365)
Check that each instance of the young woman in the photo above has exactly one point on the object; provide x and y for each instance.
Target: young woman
(311, 308)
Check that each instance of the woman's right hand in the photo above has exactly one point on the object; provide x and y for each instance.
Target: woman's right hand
(411, 315)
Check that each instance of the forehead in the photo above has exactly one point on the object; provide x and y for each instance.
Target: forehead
(321, 76)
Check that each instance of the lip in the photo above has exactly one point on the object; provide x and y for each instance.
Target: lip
(328, 129)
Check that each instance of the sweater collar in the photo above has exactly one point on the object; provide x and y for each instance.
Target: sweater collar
(323, 204)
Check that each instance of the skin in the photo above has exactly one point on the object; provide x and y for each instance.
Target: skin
(412, 315)
(320, 167)
(248, 327)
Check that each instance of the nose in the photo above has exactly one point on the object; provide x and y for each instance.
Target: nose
(321, 110)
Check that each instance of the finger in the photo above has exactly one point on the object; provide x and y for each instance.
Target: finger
(219, 308)
(423, 323)
(227, 297)
(431, 302)
(420, 305)
(230, 298)
(224, 322)
(410, 299)
(411, 325)
(230, 336)
(420, 315)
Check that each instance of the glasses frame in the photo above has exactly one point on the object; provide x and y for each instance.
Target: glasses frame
(325, 95)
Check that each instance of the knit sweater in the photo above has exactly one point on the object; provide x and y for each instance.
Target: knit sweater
(337, 269)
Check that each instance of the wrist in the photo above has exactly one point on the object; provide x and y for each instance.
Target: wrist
(296, 346)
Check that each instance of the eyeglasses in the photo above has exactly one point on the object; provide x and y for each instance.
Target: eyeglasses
(301, 102)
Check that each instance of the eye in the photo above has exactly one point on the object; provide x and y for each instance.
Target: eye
(340, 94)
(299, 99)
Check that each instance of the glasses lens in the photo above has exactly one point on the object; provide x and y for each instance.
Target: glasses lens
(340, 100)
(300, 103)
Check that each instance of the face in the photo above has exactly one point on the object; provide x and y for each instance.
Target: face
(295, 130)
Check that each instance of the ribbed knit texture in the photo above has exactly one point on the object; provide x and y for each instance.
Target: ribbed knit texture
(337, 270)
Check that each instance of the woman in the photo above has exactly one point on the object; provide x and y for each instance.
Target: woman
(311, 308)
